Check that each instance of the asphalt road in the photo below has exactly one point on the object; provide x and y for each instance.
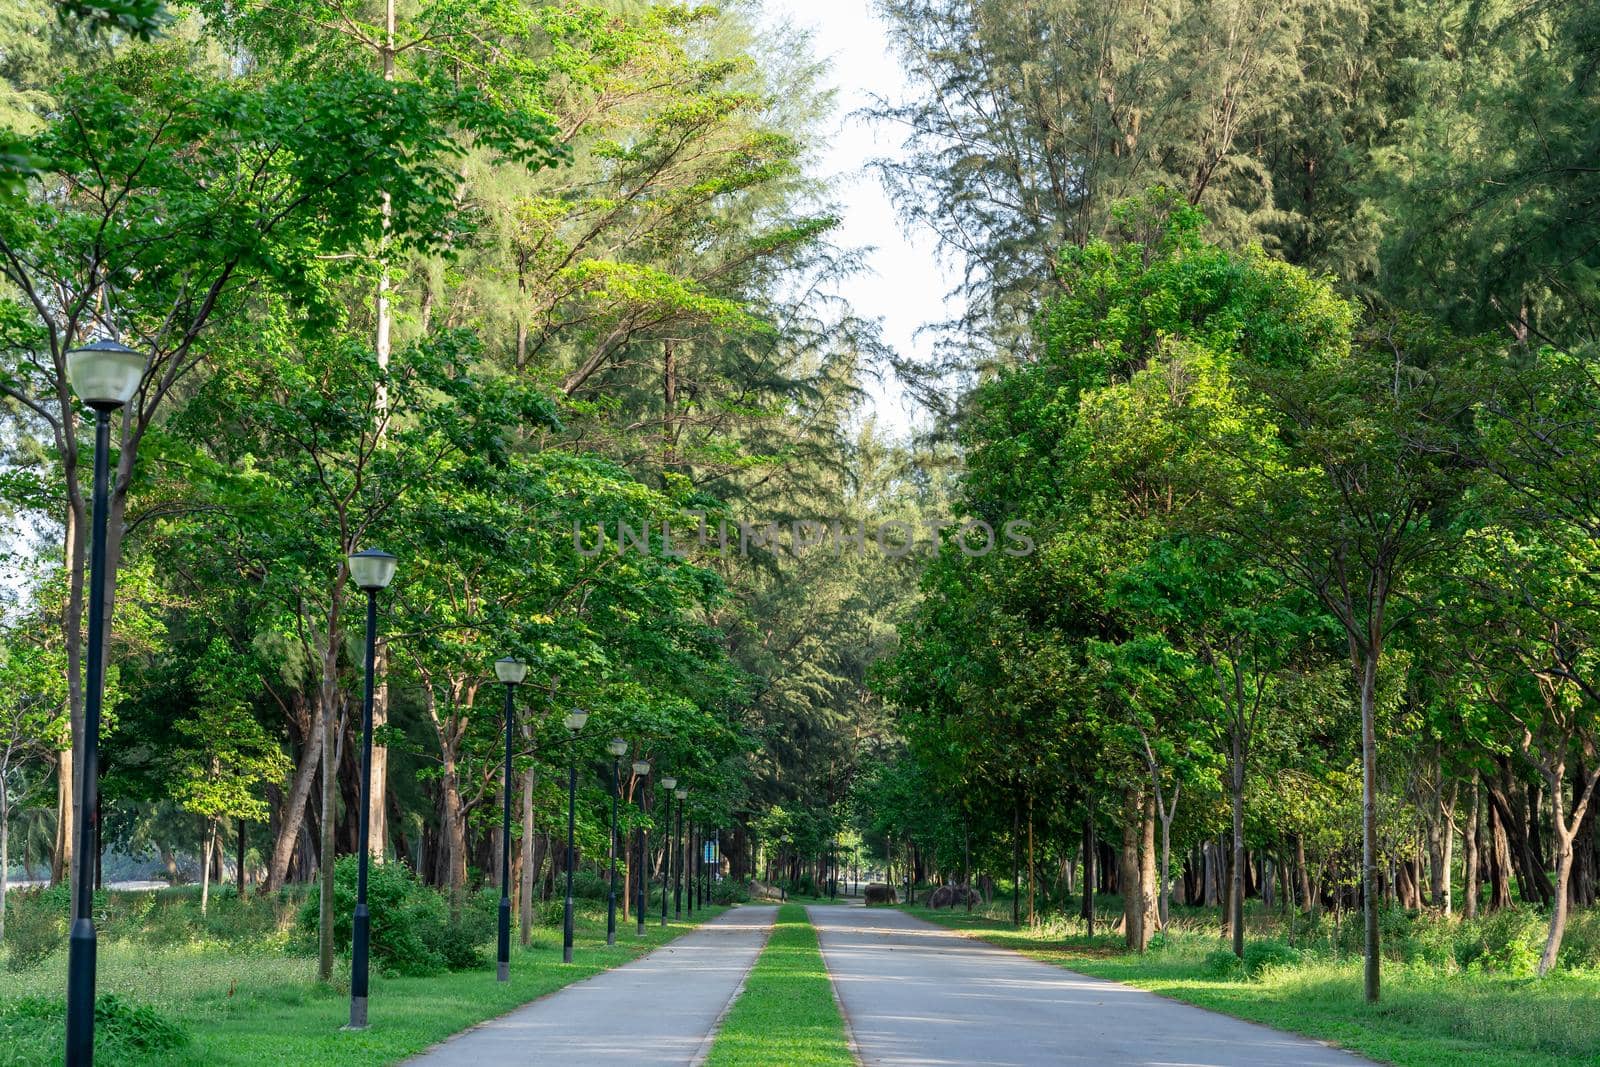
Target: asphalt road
(915, 993)
(658, 1011)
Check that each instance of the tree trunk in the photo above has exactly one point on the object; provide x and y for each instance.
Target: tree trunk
(1236, 798)
(1090, 848)
(378, 810)
(61, 853)
(5, 854)
(525, 861)
(330, 769)
(1128, 873)
(1562, 832)
(205, 864)
(1303, 873)
(1499, 857)
(1150, 914)
(294, 812)
(1369, 818)
(1032, 915)
(1469, 857)
(1535, 884)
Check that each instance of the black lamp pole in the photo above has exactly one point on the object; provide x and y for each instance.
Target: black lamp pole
(81, 947)
(504, 958)
(611, 898)
(680, 846)
(372, 571)
(668, 784)
(575, 720)
(105, 375)
(666, 864)
(693, 870)
(510, 672)
(644, 864)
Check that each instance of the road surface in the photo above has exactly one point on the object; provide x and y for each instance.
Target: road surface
(658, 1011)
(915, 993)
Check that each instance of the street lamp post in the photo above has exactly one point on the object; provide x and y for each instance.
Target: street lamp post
(641, 768)
(669, 784)
(511, 672)
(694, 868)
(371, 570)
(105, 375)
(616, 746)
(681, 844)
(575, 720)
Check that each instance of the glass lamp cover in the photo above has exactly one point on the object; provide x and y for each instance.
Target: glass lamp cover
(372, 568)
(669, 783)
(576, 718)
(510, 671)
(617, 746)
(105, 374)
(680, 793)
(641, 767)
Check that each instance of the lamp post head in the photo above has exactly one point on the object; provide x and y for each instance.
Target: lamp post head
(510, 670)
(669, 783)
(105, 374)
(372, 568)
(576, 718)
(617, 746)
(641, 767)
(681, 794)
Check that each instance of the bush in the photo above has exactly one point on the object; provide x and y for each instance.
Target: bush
(36, 925)
(1580, 948)
(729, 891)
(1221, 963)
(412, 933)
(586, 885)
(1508, 941)
(1261, 955)
(121, 1029)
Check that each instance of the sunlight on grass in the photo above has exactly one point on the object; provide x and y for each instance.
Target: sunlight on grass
(786, 1016)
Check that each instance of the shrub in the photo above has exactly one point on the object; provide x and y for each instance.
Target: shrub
(36, 925)
(1261, 955)
(1508, 941)
(1580, 947)
(729, 891)
(408, 918)
(1221, 963)
(121, 1028)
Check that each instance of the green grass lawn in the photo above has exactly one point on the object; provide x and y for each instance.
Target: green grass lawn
(1425, 1018)
(265, 1006)
(786, 1016)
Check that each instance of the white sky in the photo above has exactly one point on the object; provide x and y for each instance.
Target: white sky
(906, 284)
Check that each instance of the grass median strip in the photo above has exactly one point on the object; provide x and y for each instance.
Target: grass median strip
(786, 1015)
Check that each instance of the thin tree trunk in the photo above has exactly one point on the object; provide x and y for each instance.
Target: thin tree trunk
(525, 889)
(1469, 857)
(1090, 849)
(1369, 818)
(378, 811)
(61, 853)
(205, 864)
(330, 768)
(5, 853)
(1128, 872)
(1236, 881)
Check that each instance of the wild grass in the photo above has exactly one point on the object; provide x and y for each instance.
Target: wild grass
(242, 1002)
(786, 1016)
